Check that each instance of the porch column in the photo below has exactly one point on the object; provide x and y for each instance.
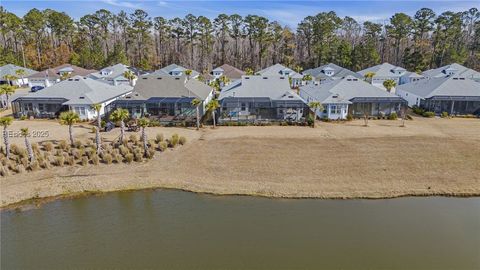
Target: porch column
(451, 109)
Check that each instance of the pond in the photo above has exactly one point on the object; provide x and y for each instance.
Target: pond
(166, 229)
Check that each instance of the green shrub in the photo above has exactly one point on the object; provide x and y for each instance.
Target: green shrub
(444, 115)
(428, 114)
(133, 138)
(310, 120)
(393, 116)
(418, 110)
(182, 140)
(159, 138)
(77, 143)
(59, 161)
(349, 117)
(23, 117)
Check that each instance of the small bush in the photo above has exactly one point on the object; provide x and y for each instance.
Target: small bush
(24, 162)
(77, 143)
(118, 158)
(428, 114)
(162, 146)
(76, 153)
(349, 117)
(129, 158)
(123, 150)
(95, 160)
(70, 160)
(173, 141)
(45, 164)
(150, 153)
(84, 161)
(64, 145)
(59, 161)
(48, 146)
(133, 138)
(91, 152)
(19, 168)
(23, 117)
(418, 110)
(159, 138)
(182, 140)
(107, 158)
(310, 120)
(35, 148)
(393, 116)
(444, 115)
(34, 166)
(4, 171)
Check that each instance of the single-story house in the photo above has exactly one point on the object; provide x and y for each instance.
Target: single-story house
(228, 71)
(11, 69)
(452, 69)
(165, 97)
(329, 72)
(388, 71)
(54, 75)
(176, 71)
(283, 71)
(353, 96)
(76, 93)
(113, 75)
(261, 98)
(453, 94)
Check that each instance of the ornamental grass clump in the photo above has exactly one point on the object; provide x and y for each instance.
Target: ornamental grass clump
(173, 141)
(4, 171)
(77, 143)
(129, 158)
(107, 158)
(63, 145)
(84, 161)
(159, 138)
(59, 161)
(393, 116)
(95, 160)
(182, 140)
(34, 165)
(162, 146)
(48, 146)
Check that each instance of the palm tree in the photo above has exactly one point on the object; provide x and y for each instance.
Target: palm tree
(98, 140)
(5, 122)
(130, 76)
(212, 106)
(389, 84)
(196, 102)
(10, 78)
(21, 73)
(69, 118)
(188, 72)
(307, 77)
(249, 71)
(315, 106)
(368, 76)
(143, 123)
(7, 90)
(25, 134)
(120, 115)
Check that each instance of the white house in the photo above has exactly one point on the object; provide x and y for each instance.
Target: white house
(175, 71)
(281, 70)
(388, 71)
(113, 75)
(329, 72)
(11, 69)
(452, 69)
(77, 94)
(453, 94)
(351, 95)
(54, 75)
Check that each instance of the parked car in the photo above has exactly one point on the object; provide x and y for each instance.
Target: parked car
(36, 88)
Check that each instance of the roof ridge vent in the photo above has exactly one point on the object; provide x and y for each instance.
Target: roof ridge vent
(265, 78)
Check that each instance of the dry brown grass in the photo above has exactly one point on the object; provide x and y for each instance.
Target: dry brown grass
(428, 157)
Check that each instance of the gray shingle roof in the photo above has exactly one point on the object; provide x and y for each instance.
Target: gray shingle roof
(347, 88)
(260, 86)
(448, 86)
(456, 68)
(115, 71)
(277, 70)
(383, 70)
(338, 72)
(80, 90)
(174, 67)
(163, 86)
(9, 69)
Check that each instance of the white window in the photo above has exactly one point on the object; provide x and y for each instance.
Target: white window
(334, 109)
(80, 110)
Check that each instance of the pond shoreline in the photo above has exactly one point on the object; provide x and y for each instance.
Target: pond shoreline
(35, 202)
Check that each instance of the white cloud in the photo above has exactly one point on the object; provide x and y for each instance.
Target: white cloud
(162, 3)
(125, 4)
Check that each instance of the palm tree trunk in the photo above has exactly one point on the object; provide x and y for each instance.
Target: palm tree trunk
(29, 149)
(198, 118)
(144, 139)
(213, 114)
(7, 143)
(98, 140)
(70, 131)
(122, 131)
(6, 99)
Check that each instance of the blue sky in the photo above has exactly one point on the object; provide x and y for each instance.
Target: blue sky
(286, 12)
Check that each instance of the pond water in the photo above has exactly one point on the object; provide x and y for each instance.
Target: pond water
(180, 230)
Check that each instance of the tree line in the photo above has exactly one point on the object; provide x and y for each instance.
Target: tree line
(48, 38)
